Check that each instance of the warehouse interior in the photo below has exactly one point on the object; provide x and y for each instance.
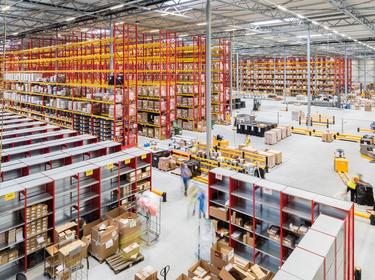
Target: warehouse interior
(187, 139)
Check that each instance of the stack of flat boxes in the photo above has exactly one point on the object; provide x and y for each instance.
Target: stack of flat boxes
(144, 173)
(37, 227)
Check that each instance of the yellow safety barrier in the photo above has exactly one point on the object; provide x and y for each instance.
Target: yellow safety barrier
(366, 130)
(362, 215)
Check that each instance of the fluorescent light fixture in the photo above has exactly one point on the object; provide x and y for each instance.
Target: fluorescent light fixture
(15, 33)
(183, 35)
(311, 35)
(84, 29)
(231, 29)
(5, 8)
(300, 16)
(154, 30)
(325, 27)
(201, 23)
(118, 23)
(70, 19)
(119, 6)
(267, 22)
(179, 14)
(315, 22)
(250, 33)
(335, 31)
(282, 8)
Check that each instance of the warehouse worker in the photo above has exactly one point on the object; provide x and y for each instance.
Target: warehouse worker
(352, 187)
(186, 176)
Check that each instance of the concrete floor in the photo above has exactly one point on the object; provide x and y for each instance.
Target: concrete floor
(308, 164)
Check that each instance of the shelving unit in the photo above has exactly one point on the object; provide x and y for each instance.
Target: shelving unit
(266, 75)
(69, 81)
(191, 84)
(157, 84)
(80, 192)
(264, 221)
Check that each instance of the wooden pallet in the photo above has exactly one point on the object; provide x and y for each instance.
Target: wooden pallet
(118, 264)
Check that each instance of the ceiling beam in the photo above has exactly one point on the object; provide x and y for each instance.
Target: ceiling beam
(343, 7)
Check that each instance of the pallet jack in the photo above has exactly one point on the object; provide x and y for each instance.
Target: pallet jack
(341, 165)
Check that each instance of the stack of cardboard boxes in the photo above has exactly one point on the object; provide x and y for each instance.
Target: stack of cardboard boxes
(167, 163)
(104, 240)
(275, 135)
(225, 266)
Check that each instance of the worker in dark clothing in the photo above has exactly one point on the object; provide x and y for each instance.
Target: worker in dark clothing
(352, 187)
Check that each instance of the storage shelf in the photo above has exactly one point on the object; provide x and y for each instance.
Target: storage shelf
(6, 245)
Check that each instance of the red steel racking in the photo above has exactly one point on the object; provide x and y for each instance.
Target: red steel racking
(267, 75)
(261, 205)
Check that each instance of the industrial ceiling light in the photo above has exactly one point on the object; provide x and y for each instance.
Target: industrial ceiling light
(267, 22)
(70, 19)
(119, 6)
(154, 31)
(315, 22)
(119, 23)
(201, 23)
(15, 33)
(231, 29)
(335, 31)
(5, 8)
(282, 8)
(300, 16)
(326, 27)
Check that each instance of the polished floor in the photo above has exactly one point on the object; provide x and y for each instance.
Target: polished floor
(308, 164)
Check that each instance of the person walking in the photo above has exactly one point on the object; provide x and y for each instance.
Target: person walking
(186, 176)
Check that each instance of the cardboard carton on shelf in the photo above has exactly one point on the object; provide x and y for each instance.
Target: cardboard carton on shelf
(3, 257)
(219, 213)
(147, 273)
(86, 236)
(221, 254)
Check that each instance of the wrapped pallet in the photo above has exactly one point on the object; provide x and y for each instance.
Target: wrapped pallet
(270, 137)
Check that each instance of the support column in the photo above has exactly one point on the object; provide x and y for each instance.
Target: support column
(364, 73)
(308, 79)
(208, 77)
(111, 46)
(316, 73)
(285, 76)
(237, 74)
(230, 75)
(274, 74)
(346, 72)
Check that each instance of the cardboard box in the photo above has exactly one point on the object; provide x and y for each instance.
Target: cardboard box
(278, 156)
(202, 267)
(104, 240)
(11, 236)
(327, 136)
(219, 213)
(270, 137)
(147, 273)
(183, 277)
(113, 214)
(104, 231)
(221, 254)
(260, 274)
(231, 272)
(3, 257)
(130, 251)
